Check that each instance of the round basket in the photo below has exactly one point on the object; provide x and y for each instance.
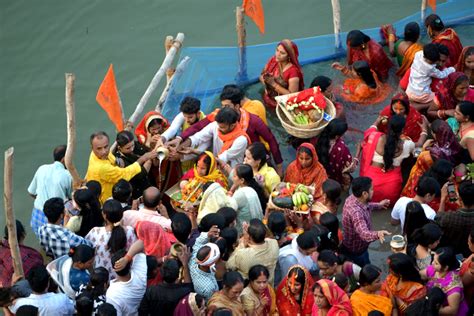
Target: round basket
(302, 132)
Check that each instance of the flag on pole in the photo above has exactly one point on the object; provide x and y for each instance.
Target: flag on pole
(254, 10)
(109, 99)
(432, 4)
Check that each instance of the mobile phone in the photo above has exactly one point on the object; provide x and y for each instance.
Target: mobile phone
(69, 207)
(452, 192)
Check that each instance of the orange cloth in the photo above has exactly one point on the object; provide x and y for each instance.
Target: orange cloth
(228, 139)
(423, 163)
(156, 240)
(337, 299)
(408, 58)
(357, 91)
(407, 291)
(142, 133)
(109, 99)
(254, 10)
(432, 4)
(256, 107)
(286, 302)
(362, 303)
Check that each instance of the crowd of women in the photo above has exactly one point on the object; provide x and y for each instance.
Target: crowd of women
(178, 218)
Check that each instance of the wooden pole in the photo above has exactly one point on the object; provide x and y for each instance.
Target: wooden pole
(10, 216)
(183, 64)
(71, 131)
(423, 11)
(241, 41)
(156, 79)
(336, 17)
(168, 44)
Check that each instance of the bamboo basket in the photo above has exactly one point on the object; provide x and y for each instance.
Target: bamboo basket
(302, 131)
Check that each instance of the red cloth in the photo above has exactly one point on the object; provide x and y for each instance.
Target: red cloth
(377, 60)
(287, 305)
(436, 83)
(451, 40)
(412, 129)
(461, 65)
(337, 299)
(339, 157)
(142, 128)
(445, 96)
(157, 242)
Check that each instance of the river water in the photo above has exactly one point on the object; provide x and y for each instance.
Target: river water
(42, 40)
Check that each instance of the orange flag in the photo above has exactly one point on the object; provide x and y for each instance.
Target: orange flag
(254, 10)
(109, 99)
(432, 4)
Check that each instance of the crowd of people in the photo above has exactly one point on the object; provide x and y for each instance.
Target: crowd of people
(178, 219)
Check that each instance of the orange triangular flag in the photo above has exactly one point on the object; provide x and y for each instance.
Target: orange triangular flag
(254, 10)
(432, 4)
(109, 99)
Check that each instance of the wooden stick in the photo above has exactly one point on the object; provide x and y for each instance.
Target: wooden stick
(241, 41)
(423, 11)
(336, 17)
(71, 131)
(8, 204)
(168, 44)
(174, 79)
(156, 79)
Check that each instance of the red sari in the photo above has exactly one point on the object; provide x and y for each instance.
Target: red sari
(445, 98)
(377, 60)
(142, 133)
(337, 298)
(286, 302)
(451, 40)
(412, 129)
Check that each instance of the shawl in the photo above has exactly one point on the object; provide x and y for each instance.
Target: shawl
(377, 60)
(214, 173)
(362, 303)
(337, 299)
(229, 138)
(250, 299)
(411, 129)
(446, 145)
(314, 175)
(293, 53)
(461, 65)
(157, 242)
(407, 291)
(141, 131)
(451, 40)
(371, 138)
(187, 306)
(408, 58)
(423, 163)
(287, 305)
(219, 299)
(445, 96)
(213, 199)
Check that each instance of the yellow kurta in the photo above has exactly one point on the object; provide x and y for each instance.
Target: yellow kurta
(256, 107)
(271, 177)
(107, 173)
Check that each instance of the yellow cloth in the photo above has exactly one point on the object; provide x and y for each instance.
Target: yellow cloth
(256, 107)
(251, 301)
(271, 178)
(362, 303)
(214, 173)
(220, 300)
(107, 173)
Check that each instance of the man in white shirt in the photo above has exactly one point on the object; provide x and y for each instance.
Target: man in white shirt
(426, 190)
(47, 303)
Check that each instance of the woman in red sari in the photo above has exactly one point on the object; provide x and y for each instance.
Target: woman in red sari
(282, 73)
(293, 295)
(446, 36)
(306, 169)
(330, 300)
(466, 64)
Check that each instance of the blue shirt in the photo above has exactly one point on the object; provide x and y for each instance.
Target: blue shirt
(77, 278)
(50, 181)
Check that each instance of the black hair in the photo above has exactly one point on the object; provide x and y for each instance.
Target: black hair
(431, 52)
(59, 152)
(222, 311)
(152, 266)
(277, 224)
(53, 209)
(375, 313)
(429, 305)
(427, 234)
(181, 227)
(245, 172)
(471, 235)
(203, 252)
(82, 253)
(98, 134)
(207, 160)
(257, 230)
(362, 68)
(227, 116)
(467, 109)
(322, 82)
(447, 258)
(210, 220)
(232, 93)
(441, 170)
(427, 185)
(303, 149)
(232, 278)
(122, 191)
(341, 280)
(97, 285)
(116, 257)
(259, 152)
(361, 185)
(466, 193)
(5, 296)
(155, 122)
(90, 210)
(442, 49)
(222, 245)
(403, 266)
(330, 257)
(336, 128)
(399, 98)
(106, 309)
(333, 191)
(229, 214)
(434, 21)
(27, 310)
(190, 105)
(411, 32)
(356, 38)
(113, 213)
(231, 235)
(306, 240)
(170, 270)
(324, 238)
(415, 217)
(396, 124)
(84, 305)
(331, 222)
(151, 200)
(95, 187)
(20, 231)
(38, 278)
(369, 274)
(124, 137)
(256, 271)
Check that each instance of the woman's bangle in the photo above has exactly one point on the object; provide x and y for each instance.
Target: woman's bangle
(424, 133)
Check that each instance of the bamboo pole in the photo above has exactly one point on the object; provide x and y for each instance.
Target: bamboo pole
(156, 79)
(71, 131)
(10, 216)
(423, 11)
(183, 64)
(241, 41)
(336, 17)
(168, 44)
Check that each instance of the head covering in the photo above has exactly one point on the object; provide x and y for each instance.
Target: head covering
(292, 51)
(156, 240)
(445, 95)
(446, 145)
(214, 173)
(141, 131)
(337, 299)
(461, 65)
(213, 199)
(286, 302)
(355, 38)
(187, 306)
(212, 257)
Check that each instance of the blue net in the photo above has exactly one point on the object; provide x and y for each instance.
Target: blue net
(211, 68)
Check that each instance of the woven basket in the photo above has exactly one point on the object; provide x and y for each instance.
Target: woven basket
(308, 131)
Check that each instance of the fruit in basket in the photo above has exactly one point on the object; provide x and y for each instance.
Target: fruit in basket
(306, 100)
(283, 202)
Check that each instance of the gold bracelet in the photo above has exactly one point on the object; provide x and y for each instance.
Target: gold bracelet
(391, 37)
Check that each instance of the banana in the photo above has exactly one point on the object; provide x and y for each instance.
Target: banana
(306, 198)
(295, 201)
(304, 189)
(300, 199)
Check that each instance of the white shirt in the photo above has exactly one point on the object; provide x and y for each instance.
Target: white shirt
(131, 217)
(126, 296)
(175, 127)
(421, 74)
(233, 156)
(400, 208)
(48, 304)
